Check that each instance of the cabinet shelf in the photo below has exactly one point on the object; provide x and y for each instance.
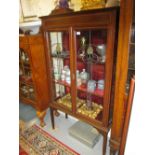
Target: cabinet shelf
(98, 63)
(24, 62)
(27, 67)
(61, 56)
(131, 69)
(78, 60)
(27, 81)
(96, 92)
(27, 100)
(62, 83)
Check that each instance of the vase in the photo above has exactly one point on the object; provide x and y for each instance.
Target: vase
(100, 84)
(101, 49)
(91, 85)
(84, 76)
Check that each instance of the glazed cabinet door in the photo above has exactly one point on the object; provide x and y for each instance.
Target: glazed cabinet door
(26, 85)
(91, 51)
(60, 68)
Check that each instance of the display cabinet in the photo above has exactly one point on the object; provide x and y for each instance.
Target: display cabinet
(33, 85)
(81, 54)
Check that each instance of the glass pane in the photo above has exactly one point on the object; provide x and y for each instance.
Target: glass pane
(60, 68)
(24, 66)
(131, 62)
(90, 72)
(25, 75)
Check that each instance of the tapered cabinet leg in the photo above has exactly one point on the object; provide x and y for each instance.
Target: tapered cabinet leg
(104, 143)
(114, 147)
(52, 117)
(66, 115)
(41, 115)
(112, 151)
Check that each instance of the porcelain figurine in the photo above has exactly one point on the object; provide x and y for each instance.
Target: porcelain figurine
(31, 90)
(61, 4)
(78, 79)
(23, 56)
(91, 85)
(100, 84)
(101, 49)
(66, 72)
(63, 74)
(68, 79)
(84, 76)
(57, 76)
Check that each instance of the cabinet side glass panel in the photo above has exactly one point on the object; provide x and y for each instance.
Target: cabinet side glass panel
(90, 72)
(60, 69)
(131, 62)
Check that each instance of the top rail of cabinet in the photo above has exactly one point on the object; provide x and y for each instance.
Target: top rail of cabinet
(71, 13)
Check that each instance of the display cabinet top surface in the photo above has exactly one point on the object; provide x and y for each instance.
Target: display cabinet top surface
(82, 12)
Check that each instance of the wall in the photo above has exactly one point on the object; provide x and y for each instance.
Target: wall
(42, 7)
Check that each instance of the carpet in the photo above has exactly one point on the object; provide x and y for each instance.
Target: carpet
(36, 141)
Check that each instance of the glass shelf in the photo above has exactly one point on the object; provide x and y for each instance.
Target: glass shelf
(132, 43)
(64, 83)
(96, 62)
(26, 81)
(63, 55)
(96, 92)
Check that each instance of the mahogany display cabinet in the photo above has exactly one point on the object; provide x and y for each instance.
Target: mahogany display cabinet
(81, 54)
(33, 86)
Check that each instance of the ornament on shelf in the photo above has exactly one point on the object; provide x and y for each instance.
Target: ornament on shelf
(86, 51)
(92, 4)
(112, 3)
(61, 4)
(84, 76)
(101, 49)
(61, 7)
(91, 85)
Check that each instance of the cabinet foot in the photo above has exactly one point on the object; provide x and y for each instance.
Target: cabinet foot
(66, 115)
(41, 115)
